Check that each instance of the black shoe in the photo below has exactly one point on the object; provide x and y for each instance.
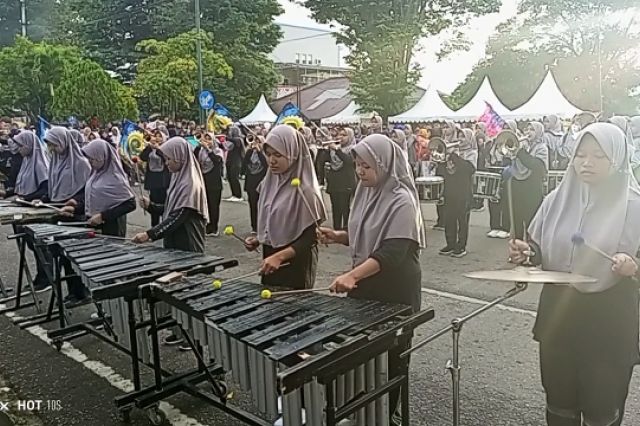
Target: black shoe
(41, 285)
(184, 347)
(459, 253)
(75, 301)
(172, 340)
(446, 251)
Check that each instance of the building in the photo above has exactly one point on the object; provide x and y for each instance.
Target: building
(325, 98)
(306, 56)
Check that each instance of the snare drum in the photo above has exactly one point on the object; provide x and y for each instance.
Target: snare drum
(553, 180)
(430, 188)
(486, 185)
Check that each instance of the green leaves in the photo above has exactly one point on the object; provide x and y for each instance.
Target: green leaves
(167, 74)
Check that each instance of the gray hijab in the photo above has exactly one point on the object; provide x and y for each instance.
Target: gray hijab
(156, 163)
(555, 125)
(389, 210)
(283, 213)
(607, 216)
(336, 163)
(70, 170)
(186, 189)
(537, 148)
(469, 148)
(206, 164)
(400, 138)
(624, 125)
(77, 137)
(35, 167)
(107, 186)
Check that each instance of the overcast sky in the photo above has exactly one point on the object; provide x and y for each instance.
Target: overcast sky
(444, 75)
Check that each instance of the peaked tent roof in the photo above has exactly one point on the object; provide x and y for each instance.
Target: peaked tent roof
(349, 115)
(262, 113)
(546, 100)
(477, 105)
(430, 107)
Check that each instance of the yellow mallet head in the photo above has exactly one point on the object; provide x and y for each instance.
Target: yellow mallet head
(295, 182)
(217, 284)
(228, 230)
(265, 294)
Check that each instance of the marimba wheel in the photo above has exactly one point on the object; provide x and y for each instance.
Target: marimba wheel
(57, 344)
(156, 416)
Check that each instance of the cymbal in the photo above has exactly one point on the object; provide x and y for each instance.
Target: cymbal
(531, 276)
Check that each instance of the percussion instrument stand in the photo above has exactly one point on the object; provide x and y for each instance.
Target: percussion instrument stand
(23, 272)
(453, 365)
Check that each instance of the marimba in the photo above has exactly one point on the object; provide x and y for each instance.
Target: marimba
(12, 214)
(309, 358)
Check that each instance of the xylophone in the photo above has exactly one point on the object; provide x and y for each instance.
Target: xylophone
(113, 270)
(311, 358)
(12, 214)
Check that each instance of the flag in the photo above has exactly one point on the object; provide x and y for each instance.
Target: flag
(492, 120)
(128, 127)
(222, 110)
(288, 110)
(43, 125)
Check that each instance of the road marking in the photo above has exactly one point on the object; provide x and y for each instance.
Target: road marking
(173, 414)
(477, 301)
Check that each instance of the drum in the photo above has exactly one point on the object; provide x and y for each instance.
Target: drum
(553, 180)
(430, 188)
(486, 185)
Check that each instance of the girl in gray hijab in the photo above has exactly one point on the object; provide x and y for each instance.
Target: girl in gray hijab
(211, 159)
(107, 195)
(69, 169)
(588, 333)
(385, 236)
(553, 138)
(33, 177)
(341, 177)
(185, 213)
(289, 210)
(77, 137)
(157, 177)
(527, 173)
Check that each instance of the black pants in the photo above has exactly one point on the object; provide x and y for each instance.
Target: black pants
(214, 196)
(253, 196)
(456, 225)
(583, 390)
(320, 162)
(440, 209)
(116, 227)
(525, 207)
(233, 176)
(340, 206)
(396, 368)
(157, 196)
(499, 216)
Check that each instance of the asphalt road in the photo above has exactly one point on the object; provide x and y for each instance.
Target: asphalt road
(500, 378)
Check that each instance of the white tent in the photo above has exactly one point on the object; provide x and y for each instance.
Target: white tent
(478, 104)
(430, 107)
(548, 99)
(262, 113)
(349, 115)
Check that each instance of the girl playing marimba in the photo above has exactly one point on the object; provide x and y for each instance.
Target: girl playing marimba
(588, 333)
(289, 210)
(32, 182)
(385, 234)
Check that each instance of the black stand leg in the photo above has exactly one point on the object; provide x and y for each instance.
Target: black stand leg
(135, 362)
(404, 393)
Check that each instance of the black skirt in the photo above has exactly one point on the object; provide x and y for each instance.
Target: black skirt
(604, 324)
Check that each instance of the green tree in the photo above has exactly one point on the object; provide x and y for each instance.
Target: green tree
(245, 33)
(522, 49)
(29, 73)
(382, 37)
(167, 74)
(86, 90)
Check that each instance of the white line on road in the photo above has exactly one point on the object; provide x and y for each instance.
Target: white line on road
(174, 415)
(476, 301)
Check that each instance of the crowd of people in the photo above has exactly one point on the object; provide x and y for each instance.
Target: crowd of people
(588, 334)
